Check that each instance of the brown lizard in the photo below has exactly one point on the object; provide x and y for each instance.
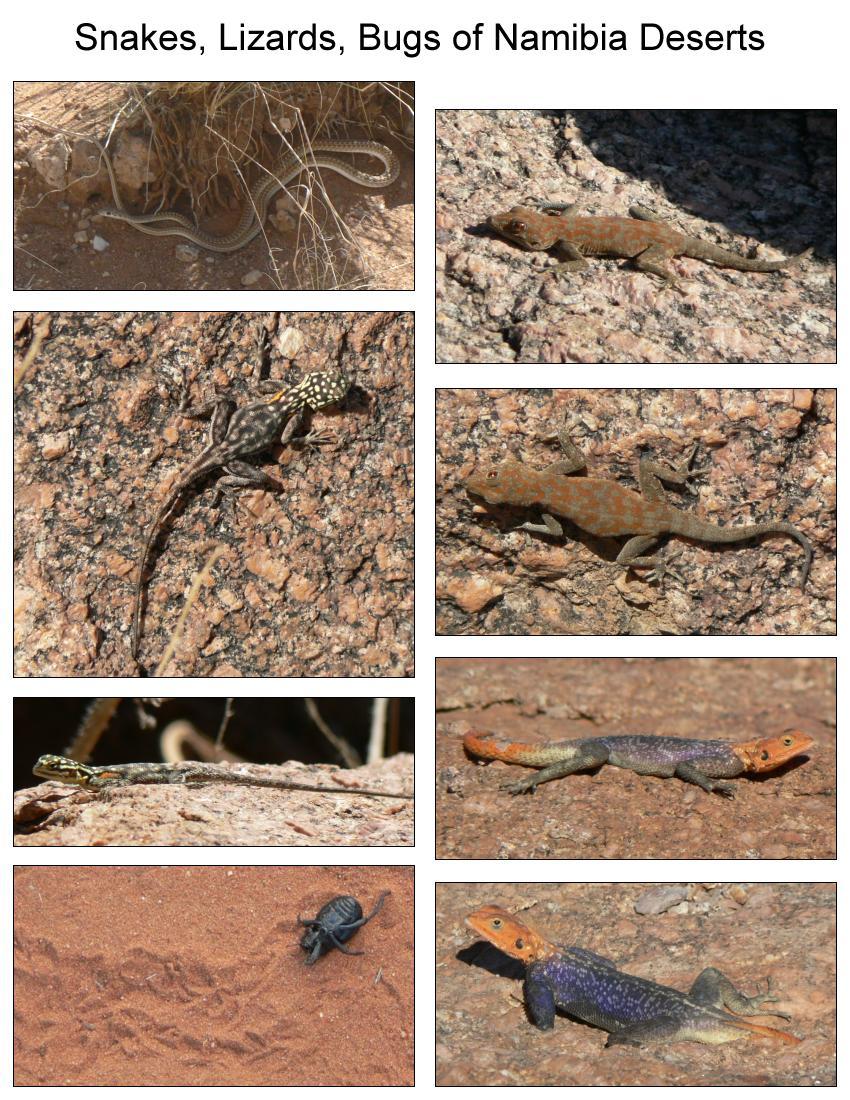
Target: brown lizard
(606, 509)
(633, 1010)
(694, 760)
(642, 238)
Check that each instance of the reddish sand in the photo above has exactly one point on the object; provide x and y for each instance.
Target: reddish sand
(194, 976)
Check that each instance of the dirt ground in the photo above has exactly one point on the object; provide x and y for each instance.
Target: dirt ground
(195, 976)
(762, 455)
(744, 180)
(355, 239)
(299, 589)
(668, 934)
(617, 814)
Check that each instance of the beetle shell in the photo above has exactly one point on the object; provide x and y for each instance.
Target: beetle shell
(335, 917)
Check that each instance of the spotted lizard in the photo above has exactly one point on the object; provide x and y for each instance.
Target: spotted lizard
(190, 772)
(693, 760)
(632, 1010)
(642, 238)
(236, 435)
(606, 509)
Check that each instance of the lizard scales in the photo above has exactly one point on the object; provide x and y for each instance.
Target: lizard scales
(234, 436)
(103, 777)
(633, 1010)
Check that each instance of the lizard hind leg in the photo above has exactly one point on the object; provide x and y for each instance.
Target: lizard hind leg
(713, 988)
(651, 474)
(632, 557)
(653, 260)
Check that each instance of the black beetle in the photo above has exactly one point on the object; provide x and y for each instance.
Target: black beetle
(335, 922)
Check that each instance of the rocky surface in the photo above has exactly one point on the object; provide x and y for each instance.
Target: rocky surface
(770, 455)
(301, 589)
(617, 814)
(735, 178)
(748, 930)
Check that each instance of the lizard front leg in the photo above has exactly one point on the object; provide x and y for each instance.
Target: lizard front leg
(690, 774)
(539, 1002)
(651, 474)
(574, 260)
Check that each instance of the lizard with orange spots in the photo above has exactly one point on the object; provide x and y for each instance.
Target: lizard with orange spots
(693, 760)
(606, 509)
(649, 242)
(632, 1010)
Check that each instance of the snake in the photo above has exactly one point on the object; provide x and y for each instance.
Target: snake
(171, 223)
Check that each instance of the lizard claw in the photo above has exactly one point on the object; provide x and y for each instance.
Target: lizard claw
(767, 998)
(662, 569)
(721, 788)
(525, 786)
(313, 439)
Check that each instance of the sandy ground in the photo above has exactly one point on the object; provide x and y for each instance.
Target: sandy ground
(194, 976)
(750, 931)
(767, 454)
(739, 179)
(617, 814)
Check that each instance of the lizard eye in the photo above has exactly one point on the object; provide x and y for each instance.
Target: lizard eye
(517, 226)
(492, 475)
(788, 741)
(765, 755)
(496, 922)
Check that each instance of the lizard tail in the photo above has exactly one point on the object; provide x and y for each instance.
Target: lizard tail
(486, 746)
(695, 528)
(143, 558)
(767, 1032)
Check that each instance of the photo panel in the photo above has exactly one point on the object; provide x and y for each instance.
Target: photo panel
(636, 236)
(572, 984)
(636, 758)
(261, 771)
(211, 976)
(553, 507)
(214, 185)
(147, 544)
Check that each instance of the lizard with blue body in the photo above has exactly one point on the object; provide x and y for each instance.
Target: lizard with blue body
(632, 1010)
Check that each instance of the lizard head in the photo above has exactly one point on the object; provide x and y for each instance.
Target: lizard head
(509, 934)
(61, 768)
(498, 483)
(767, 753)
(523, 226)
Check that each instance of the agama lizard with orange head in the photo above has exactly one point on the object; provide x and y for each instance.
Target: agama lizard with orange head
(633, 1010)
(693, 760)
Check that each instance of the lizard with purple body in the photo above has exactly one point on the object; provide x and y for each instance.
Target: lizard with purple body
(632, 1010)
(694, 760)
(642, 238)
(236, 435)
(606, 509)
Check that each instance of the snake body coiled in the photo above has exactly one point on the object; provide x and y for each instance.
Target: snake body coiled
(170, 223)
